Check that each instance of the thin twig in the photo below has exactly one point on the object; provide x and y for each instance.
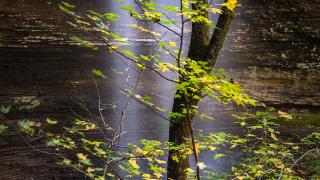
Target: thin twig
(120, 127)
(195, 152)
(162, 25)
(303, 156)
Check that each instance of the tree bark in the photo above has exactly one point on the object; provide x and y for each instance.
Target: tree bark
(178, 131)
(199, 50)
(199, 35)
(218, 37)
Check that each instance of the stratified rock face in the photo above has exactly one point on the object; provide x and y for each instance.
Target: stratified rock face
(272, 49)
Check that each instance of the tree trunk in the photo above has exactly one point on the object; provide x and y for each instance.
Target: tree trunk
(199, 50)
(178, 131)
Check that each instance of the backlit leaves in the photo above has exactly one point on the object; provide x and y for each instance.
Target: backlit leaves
(68, 5)
(216, 10)
(218, 155)
(231, 4)
(98, 73)
(163, 67)
(196, 81)
(133, 163)
(111, 16)
(172, 44)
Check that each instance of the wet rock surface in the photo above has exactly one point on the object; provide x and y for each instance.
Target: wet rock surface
(272, 49)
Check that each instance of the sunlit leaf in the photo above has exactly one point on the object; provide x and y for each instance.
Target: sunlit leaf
(133, 163)
(201, 165)
(111, 16)
(163, 67)
(285, 115)
(217, 156)
(172, 44)
(52, 122)
(231, 4)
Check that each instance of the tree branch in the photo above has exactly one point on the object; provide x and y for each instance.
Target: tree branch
(218, 37)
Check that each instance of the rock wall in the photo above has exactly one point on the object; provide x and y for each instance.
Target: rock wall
(273, 49)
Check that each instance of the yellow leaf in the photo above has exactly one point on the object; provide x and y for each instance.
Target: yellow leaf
(172, 43)
(175, 158)
(141, 66)
(81, 156)
(163, 67)
(216, 11)
(160, 161)
(158, 108)
(284, 115)
(66, 161)
(49, 121)
(139, 151)
(96, 143)
(146, 176)
(231, 4)
(90, 127)
(212, 148)
(157, 175)
(189, 170)
(289, 170)
(273, 136)
(233, 146)
(90, 170)
(134, 164)
(205, 79)
(197, 148)
(295, 147)
(240, 177)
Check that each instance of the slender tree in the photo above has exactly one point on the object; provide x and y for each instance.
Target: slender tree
(200, 49)
(266, 157)
(196, 77)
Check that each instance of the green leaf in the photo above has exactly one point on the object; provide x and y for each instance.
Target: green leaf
(146, 58)
(5, 110)
(68, 5)
(95, 13)
(171, 8)
(66, 161)
(3, 128)
(98, 73)
(28, 126)
(217, 156)
(86, 162)
(129, 53)
(111, 16)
